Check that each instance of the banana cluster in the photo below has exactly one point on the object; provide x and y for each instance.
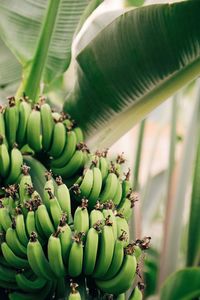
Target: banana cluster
(65, 233)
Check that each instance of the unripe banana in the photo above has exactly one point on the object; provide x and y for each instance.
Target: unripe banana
(96, 214)
(109, 188)
(122, 226)
(2, 124)
(7, 274)
(55, 209)
(126, 185)
(81, 217)
(28, 285)
(25, 185)
(63, 196)
(54, 250)
(34, 129)
(21, 227)
(136, 294)
(76, 256)
(106, 250)
(16, 160)
(12, 259)
(74, 295)
(12, 121)
(4, 158)
(47, 126)
(45, 220)
(118, 194)
(121, 297)
(14, 243)
(49, 185)
(65, 237)
(108, 211)
(104, 168)
(124, 278)
(24, 113)
(86, 183)
(96, 187)
(79, 135)
(58, 140)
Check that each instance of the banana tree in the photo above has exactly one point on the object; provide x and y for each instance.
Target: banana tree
(125, 64)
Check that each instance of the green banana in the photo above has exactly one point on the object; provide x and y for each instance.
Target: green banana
(75, 262)
(24, 113)
(16, 160)
(63, 196)
(8, 285)
(37, 260)
(12, 121)
(106, 250)
(118, 257)
(12, 259)
(65, 237)
(4, 158)
(49, 185)
(58, 140)
(121, 297)
(87, 183)
(81, 217)
(109, 188)
(7, 274)
(96, 187)
(55, 209)
(72, 167)
(108, 212)
(30, 222)
(47, 125)
(122, 226)
(54, 250)
(136, 294)
(96, 214)
(79, 134)
(104, 167)
(68, 151)
(14, 243)
(34, 129)
(118, 195)
(124, 278)
(125, 209)
(25, 185)
(21, 227)
(126, 185)
(5, 218)
(91, 248)
(45, 220)
(28, 285)
(2, 124)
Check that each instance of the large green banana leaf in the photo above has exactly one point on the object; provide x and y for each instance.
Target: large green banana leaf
(40, 34)
(132, 65)
(182, 285)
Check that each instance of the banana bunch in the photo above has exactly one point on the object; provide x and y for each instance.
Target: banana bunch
(63, 212)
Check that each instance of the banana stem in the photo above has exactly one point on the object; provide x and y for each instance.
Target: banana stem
(34, 70)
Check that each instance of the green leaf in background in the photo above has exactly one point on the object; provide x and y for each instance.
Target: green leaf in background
(193, 250)
(10, 69)
(132, 65)
(40, 34)
(182, 285)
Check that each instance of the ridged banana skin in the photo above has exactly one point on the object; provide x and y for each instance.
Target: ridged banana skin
(56, 211)
(122, 225)
(55, 256)
(63, 196)
(95, 216)
(106, 249)
(109, 212)
(125, 209)
(23, 190)
(109, 188)
(30, 222)
(126, 188)
(43, 294)
(12, 121)
(7, 274)
(123, 280)
(16, 160)
(65, 237)
(28, 285)
(118, 257)
(37, 260)
(34, 131)
(2, 125)
(12, 259)
(45, 220)
(136, 294)
(47, 126)
(68, 151)
(58, 140)
(104, 167)
(90, 251)
(24, 112)
(75, 259)
(96, 187)
(14, 243)
(5, 219)
(79, 135)
(72, 167)
(21, 229)
(87, 183)
(118, 194)
(49, 184)
(74, 296)
(4, 161)
(81, 220)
